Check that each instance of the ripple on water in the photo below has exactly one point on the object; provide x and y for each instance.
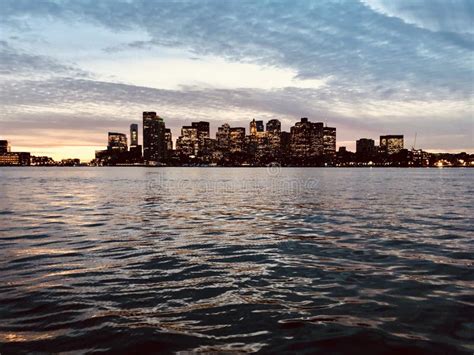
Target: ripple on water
(222, 260)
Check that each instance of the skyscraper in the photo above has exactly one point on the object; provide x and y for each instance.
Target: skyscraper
(307, 140)
(223, 137)
(133, 135)
(329, 141)
(237, 139)
(188, 143)
(365, 148)
(154, 143)
(202, 128)
(391, 144)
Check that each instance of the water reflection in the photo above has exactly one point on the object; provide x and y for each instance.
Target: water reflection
(236, 259)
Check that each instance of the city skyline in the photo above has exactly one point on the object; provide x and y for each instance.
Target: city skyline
(306, 144)
(71, 71)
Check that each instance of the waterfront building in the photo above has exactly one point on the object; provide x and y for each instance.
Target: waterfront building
(154, 143)
(187, 145)
(365, 149)
(391, 144)
(42, 161)
(14, 158)
(307, 141)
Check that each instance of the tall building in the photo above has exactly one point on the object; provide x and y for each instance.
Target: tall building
(188, 143)
(202, 133)
(329, 141)
(307, 140)
(223, 137)
(391, 144)
(117, 142)
(154, 143)
(365, 148)
(237, 139)
(4, 146)
(133, 135)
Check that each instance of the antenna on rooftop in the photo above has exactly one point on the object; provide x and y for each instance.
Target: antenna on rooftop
(414, 143)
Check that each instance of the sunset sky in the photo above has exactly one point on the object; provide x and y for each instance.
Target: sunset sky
(70, 71)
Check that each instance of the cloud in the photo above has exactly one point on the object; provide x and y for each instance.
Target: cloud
(345, 40)
(49, 107)
(435, 15)
(22, 64)
(387, 67)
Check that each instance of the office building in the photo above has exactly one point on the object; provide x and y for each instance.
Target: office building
(307, 140)
(329, 142)
(187, 144)
(223, 137)
(15, 158)
(154, 143)
(237, 139)
(391, 144)
(365, 149)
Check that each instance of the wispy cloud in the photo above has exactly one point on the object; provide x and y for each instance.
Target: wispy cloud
(399, 66)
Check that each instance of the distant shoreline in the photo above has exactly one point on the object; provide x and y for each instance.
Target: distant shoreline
(246, 167)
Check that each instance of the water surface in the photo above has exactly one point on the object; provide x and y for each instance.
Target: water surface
(236, 259)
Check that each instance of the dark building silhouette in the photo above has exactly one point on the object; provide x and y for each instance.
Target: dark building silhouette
(154, 143)
(4, 146)
(365, 149)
